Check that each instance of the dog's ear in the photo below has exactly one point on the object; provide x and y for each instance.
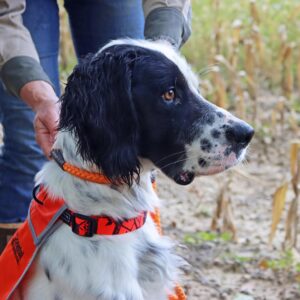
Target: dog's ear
(97, 107)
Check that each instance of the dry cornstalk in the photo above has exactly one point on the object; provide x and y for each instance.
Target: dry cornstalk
(292, 217)
(221, 59)
(234, 57)
(291, 225)
(220, 89)
(249, 58)
(287, 72)
(236, 31)
(295, 13)
(218, 212)
(240, 100)
(217, 37)
(279, 109)
(277, 208)
(254, 12)
(259, 45)
(251, 87)
(274, 122)
(205, 87)
(66, 45)
(216, 5)
(293, 121)
(281, 105)
(234, 80)
(250, 77)
(298, 71)
(235, 41)
(282, 33)
(252, 90)
(294, 157)
(223, 219)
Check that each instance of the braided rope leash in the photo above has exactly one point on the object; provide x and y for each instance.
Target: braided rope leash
(89, 176)
(57, 155)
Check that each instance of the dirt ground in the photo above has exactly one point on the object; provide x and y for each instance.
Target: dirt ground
(220, 269)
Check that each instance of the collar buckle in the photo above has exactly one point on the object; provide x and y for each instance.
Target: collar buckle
(83, 225)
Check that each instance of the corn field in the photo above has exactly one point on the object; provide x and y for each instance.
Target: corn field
(244, 224)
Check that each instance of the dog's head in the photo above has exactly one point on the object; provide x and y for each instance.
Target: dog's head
(138, 99)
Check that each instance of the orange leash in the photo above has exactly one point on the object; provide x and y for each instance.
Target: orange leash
(57, 155)
(85, 175)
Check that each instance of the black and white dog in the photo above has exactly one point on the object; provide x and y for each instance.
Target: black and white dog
(131, 107)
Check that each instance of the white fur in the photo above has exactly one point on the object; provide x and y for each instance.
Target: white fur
(164, 48)
(119, 267)
(136, 266)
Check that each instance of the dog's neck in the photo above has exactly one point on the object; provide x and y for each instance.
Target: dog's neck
(92, 198)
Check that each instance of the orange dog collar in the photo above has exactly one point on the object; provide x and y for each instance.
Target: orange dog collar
(89, 225)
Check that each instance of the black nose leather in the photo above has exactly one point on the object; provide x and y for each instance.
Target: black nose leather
(239, 133)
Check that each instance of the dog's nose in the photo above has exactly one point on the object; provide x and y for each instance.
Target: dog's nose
(240, 133)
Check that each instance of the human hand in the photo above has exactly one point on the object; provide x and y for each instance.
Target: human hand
(40, 96)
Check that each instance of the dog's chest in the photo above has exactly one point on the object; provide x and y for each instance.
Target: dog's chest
(88, 264)
(74, 267)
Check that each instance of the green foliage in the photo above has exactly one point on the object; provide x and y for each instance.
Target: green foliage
(205, 236)
(296, 105)
(242, 259)
(286, 262)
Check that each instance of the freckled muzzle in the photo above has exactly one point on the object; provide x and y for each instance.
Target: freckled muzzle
(221, 143)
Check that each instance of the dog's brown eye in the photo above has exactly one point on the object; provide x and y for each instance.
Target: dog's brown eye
(169, 95)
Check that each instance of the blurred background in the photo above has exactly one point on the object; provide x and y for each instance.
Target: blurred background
(238, 230)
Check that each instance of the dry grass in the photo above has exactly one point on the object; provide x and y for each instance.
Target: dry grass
(259, 40)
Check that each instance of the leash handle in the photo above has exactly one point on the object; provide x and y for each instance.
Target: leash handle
(34, 192)
(57, 155)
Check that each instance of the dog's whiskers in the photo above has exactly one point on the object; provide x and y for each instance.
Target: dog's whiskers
(207, 69)
(169, 156)
(179, 160)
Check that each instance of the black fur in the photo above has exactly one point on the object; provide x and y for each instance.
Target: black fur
(113, 103)
(97, 106)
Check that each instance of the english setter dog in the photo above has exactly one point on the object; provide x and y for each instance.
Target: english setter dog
(131, 107)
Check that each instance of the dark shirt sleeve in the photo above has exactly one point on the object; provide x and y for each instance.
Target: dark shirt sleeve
(168, 20)
(19, 61)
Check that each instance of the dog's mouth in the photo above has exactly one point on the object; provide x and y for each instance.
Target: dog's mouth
(220, 164)
(184, 177)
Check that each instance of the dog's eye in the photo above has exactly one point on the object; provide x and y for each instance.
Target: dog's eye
(169, 95)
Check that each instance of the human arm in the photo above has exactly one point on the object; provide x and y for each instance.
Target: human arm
(22, 73)
(168, 20)
(40, 96)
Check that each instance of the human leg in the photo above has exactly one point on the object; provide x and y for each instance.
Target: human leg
(96, 22)
(21, 157)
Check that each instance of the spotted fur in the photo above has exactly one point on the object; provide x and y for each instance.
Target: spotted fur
(115, 120)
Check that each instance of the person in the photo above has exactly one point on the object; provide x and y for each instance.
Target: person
(29, 46)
